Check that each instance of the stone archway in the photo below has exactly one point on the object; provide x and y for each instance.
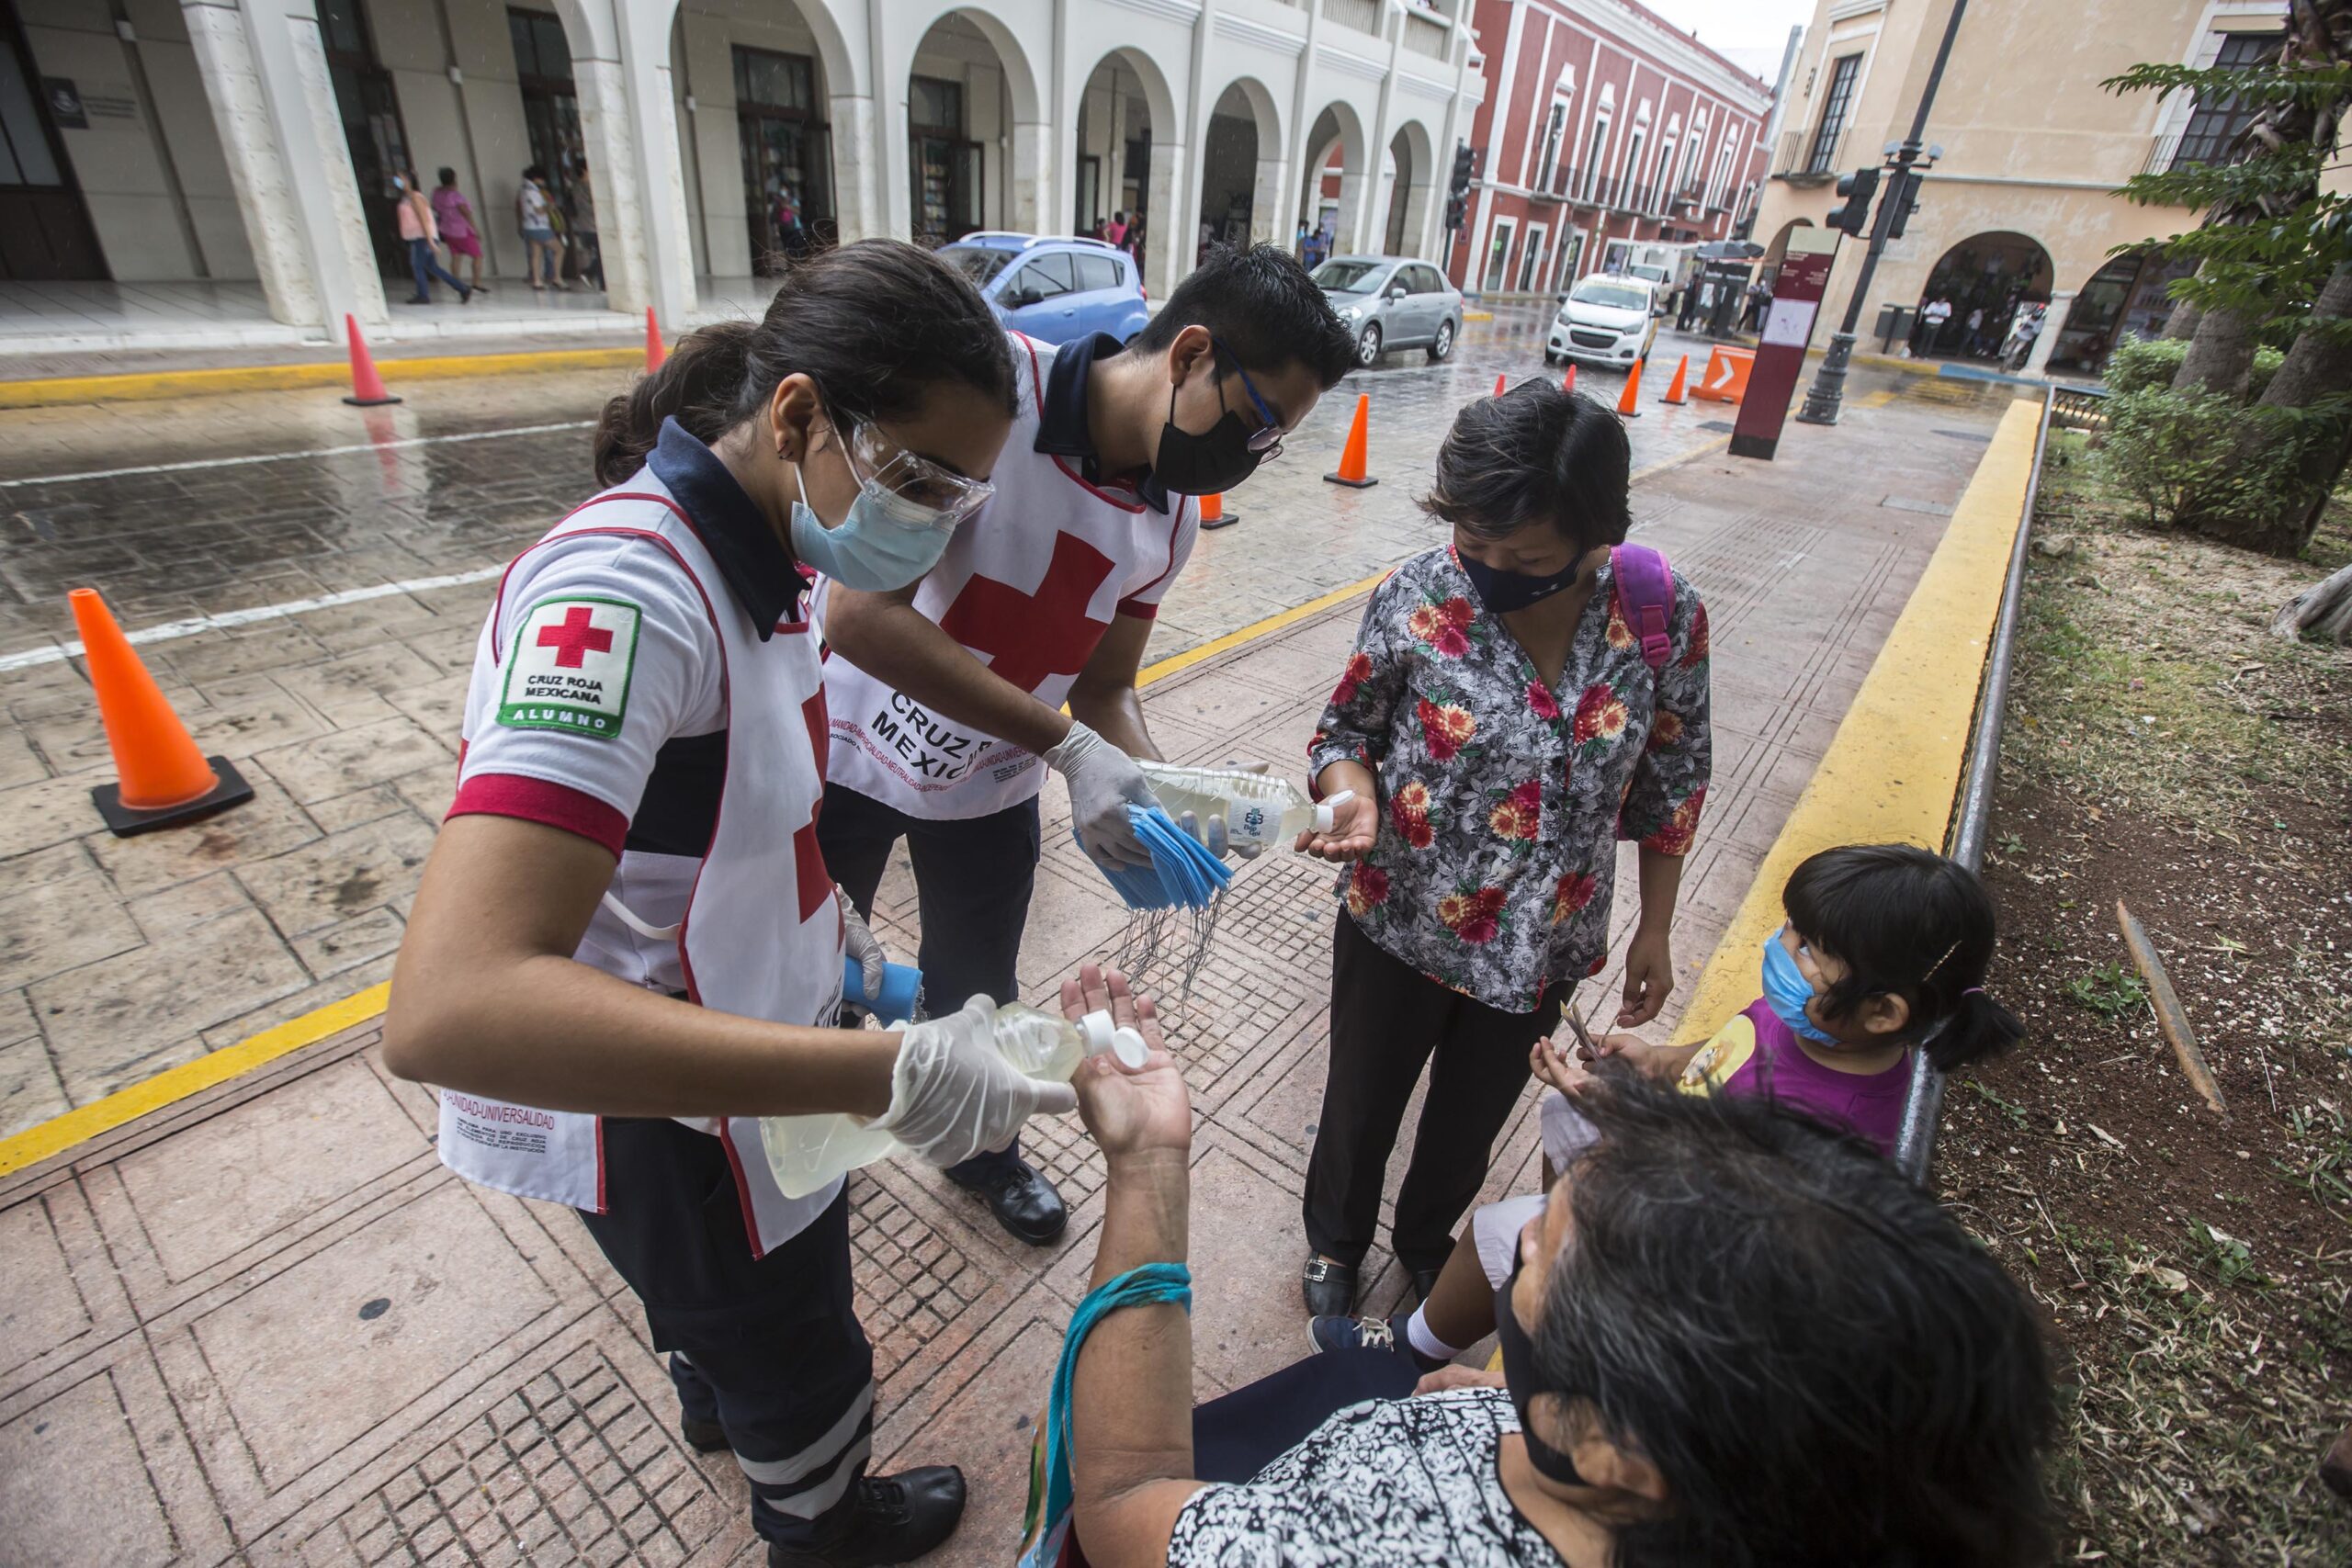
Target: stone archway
(1984, 279)
(1337, 169)
(1242, 166)
(1412, 182)
(773, 111)
(1128, 163)
(975, 159)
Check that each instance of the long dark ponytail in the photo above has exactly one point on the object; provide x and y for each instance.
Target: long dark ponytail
(873, 323)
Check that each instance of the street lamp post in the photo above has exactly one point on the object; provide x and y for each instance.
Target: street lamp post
(1828, 391)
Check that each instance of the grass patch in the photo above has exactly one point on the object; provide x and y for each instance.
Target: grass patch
(2154, 682)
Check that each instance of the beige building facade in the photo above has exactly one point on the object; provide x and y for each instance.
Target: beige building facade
(2020, 207)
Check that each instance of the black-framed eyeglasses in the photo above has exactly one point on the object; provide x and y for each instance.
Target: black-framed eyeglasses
(1267, 439)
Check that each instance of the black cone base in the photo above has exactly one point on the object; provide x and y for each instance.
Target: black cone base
(127, 820)
(1351, 484)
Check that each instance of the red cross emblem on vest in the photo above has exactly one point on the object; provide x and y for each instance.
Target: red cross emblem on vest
(1029, 637)
(576, 639)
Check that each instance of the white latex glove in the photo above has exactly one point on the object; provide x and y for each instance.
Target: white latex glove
(1211, 835)
(953, 1095)
(860, 942)
(1103, 782)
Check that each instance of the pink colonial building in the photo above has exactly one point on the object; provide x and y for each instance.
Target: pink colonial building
(1601, 123)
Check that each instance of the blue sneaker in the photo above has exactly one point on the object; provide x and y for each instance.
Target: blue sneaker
(1341, 1333)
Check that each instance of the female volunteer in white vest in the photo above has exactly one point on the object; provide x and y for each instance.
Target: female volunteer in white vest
(626, 919)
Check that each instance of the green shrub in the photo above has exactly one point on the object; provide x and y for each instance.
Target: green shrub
(2194, 456)
(2139, 363)
(2266, 365)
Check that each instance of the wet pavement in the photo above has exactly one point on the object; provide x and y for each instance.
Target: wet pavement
(264, 1325)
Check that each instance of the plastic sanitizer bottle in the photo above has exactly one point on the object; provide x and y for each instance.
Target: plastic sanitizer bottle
(806, 1152)
(1259, 809)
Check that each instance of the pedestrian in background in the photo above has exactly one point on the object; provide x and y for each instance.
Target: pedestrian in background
(535, 216)
(589, 260)
(1688, 308)
(1116, 231)
(454, 216)
(419, 232)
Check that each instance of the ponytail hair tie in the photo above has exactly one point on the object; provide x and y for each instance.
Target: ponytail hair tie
(1974, 991)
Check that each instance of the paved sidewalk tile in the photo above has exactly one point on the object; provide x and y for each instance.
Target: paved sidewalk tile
(266, 1326)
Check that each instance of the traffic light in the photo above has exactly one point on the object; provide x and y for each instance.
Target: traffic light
(1903, 195)
(1466, 164)
(1856, 189)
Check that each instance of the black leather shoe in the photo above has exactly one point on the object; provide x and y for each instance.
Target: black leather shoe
(896, 1519)
(704, 1436)
(1024, 1201)
(1330, 1288)
(1424, 1281)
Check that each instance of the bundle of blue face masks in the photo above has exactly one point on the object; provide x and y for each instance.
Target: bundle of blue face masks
(1183, 873)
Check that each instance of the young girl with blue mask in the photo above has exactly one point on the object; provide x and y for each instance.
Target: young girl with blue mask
(1884, 952)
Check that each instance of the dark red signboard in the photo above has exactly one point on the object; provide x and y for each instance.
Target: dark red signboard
(1788, 329)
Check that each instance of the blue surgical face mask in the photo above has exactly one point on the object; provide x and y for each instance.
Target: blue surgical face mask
(885, 543)
(1786, 991)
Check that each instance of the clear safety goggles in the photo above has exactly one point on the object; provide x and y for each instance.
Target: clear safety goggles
(914, 490)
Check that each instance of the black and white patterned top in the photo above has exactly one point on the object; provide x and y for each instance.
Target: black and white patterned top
(1403, 1481)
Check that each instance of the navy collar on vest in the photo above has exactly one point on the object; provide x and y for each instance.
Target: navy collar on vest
(759, 572)
(1062, 430)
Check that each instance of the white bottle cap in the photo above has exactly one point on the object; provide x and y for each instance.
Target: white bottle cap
(1102, 1035)
(1327, 813)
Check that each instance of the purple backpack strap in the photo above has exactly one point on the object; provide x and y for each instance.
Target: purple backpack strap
(1645, 588)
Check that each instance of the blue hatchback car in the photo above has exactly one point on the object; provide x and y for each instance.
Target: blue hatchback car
(1053, 289)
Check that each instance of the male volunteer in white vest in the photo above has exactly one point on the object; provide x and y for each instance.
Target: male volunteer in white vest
(945, 697)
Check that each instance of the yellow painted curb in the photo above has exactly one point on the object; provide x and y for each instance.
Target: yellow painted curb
(1477, 315)
(1892, 771)
(60, 1133)
(152, 386)
(84, 1122)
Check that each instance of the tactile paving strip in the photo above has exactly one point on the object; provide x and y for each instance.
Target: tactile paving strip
(911, 1282)
(570, 1468)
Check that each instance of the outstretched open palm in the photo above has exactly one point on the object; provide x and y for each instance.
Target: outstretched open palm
(1128, 1113)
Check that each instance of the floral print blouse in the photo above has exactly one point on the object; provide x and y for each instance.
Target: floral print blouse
(1503, 799)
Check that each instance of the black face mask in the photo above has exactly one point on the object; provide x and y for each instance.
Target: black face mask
(1518, 1382)
(1503, 592)
(1210, 464)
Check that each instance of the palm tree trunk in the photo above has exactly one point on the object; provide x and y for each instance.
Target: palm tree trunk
(2220, 354)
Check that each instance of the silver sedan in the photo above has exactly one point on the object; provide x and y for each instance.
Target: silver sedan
(1391, 302)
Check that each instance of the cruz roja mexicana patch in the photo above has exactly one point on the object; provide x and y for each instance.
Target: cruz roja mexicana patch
(569, 666)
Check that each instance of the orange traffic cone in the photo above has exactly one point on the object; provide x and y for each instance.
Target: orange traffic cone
(1625, 408)
(1353, 457)
(367, 387)
(1569, 381)
(1213, 515)
(1498, 384)
(1674, 393)
(162, 777)
(655, 353)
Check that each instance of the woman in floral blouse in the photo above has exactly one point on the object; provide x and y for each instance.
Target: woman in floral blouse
(1502, 729)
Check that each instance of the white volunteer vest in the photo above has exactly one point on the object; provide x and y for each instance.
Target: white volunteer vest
(762, 934)
(1029, 587)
